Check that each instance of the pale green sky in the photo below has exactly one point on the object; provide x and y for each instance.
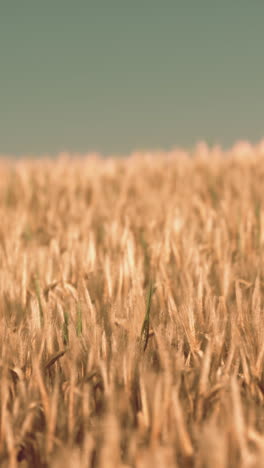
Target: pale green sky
(116, 75)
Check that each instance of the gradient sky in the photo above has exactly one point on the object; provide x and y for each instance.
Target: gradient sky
(118, 75)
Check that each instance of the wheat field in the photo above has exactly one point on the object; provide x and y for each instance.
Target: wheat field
(132, 331)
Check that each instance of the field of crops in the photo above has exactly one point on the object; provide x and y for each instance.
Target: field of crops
(131, 311)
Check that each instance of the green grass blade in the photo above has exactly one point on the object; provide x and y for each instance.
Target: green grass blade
(145, 327)
(65, 331)
(79, 320)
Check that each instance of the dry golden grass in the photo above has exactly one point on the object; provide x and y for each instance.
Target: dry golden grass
(85, 381)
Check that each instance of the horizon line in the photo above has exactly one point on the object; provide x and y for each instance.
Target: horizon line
(241, 146)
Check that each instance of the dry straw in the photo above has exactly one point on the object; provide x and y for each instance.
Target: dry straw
(96, 369)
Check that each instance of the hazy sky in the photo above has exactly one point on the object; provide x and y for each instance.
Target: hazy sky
(118, 75)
